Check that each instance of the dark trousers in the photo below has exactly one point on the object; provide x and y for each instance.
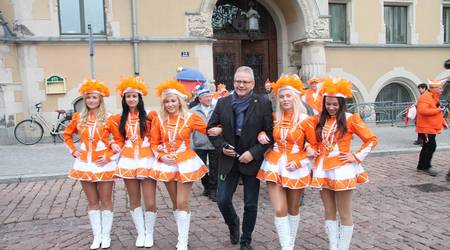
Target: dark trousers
(209, 181)
(428, 148)
(225, 191)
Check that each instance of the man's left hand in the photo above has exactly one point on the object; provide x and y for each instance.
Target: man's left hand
(246, 157)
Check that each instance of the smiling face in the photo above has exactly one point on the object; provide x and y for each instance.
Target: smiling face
(92, 101)
(132, 99)
(332, 105)
(172, 104)
(243, 83)
(286, 99)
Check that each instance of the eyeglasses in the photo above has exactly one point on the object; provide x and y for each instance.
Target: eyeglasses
(239, 82)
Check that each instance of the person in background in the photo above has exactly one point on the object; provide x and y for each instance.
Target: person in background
(201, 144)
(429, 122)
(313, 96)
(270, 94)
(422, 88)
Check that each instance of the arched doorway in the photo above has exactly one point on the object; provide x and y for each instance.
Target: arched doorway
(391, 101)
(236, 45)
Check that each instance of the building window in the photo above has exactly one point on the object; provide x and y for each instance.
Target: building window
(391, 101)
(75, 15)
(446, 21)
(338, 22)
(396, 22)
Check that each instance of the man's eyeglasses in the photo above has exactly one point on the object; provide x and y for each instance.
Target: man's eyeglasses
(242, 82)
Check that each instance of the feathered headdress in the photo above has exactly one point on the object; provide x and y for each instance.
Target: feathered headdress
(338, 87)
(172, 87)
(93, 86)
(291, 81)
(439, 83)
(132, 84)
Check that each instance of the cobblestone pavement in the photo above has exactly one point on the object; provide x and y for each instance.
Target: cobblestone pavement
(389, 213)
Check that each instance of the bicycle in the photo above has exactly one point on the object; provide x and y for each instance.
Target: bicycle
(30, 131)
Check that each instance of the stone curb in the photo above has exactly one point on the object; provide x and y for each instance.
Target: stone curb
(43, 177)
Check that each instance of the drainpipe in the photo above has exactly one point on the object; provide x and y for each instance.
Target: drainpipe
(134, 40)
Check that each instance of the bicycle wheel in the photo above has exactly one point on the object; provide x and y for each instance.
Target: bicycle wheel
(60, 131)
(28, 132)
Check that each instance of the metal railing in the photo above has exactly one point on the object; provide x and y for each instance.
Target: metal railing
(387, 112)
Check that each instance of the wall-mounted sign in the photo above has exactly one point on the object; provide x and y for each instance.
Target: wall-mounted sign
(55, 85)
(184, 53)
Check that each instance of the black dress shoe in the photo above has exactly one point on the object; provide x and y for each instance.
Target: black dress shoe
(246, 246)
(212, 196)
(205, 192)
(427, 171)
(235, 232)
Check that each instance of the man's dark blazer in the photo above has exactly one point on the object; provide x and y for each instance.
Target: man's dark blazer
(258, 117)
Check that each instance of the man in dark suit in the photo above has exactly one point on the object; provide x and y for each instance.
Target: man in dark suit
(242, 116)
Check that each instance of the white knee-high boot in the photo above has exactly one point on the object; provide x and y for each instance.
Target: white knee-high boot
(138, 218)
(96, 225)
(149, 218)
(183, 219)
(293, 225)
(345, 237)
(284, 232)
(331, 228)
(107, 219)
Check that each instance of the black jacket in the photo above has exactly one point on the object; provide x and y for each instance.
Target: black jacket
(258, 117)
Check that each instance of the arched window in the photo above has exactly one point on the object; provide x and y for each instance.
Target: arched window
(391, 101)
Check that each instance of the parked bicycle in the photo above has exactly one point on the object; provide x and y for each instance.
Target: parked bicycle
(30, 131)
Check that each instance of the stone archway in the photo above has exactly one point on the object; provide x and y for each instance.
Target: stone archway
(308, 46)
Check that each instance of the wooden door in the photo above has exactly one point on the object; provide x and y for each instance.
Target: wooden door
(255, 54)
(227, 58)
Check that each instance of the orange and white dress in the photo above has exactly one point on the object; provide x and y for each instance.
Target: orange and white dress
(288, 147)
(136, 157)
(330, 172)
(172, 137)
(94, 145)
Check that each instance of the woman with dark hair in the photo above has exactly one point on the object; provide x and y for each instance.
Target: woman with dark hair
(336, 169)
(93, 166)
(131, 132)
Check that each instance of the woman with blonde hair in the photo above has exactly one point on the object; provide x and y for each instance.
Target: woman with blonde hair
(93, 166)
(131, 131)
(337, 170)
(176, 164)
(286, 168)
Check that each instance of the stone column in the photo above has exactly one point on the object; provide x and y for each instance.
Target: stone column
(313, 60)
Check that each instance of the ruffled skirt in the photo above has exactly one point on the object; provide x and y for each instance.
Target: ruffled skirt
(277, 173)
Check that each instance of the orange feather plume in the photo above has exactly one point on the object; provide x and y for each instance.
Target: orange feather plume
(336, 86)
(132, 84)
(290, 80)
(93, 86)
(172, 85)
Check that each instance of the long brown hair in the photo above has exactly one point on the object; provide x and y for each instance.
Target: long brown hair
(341, 119)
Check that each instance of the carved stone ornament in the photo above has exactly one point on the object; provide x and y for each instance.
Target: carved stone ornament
(200, 25)
(319, 29)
